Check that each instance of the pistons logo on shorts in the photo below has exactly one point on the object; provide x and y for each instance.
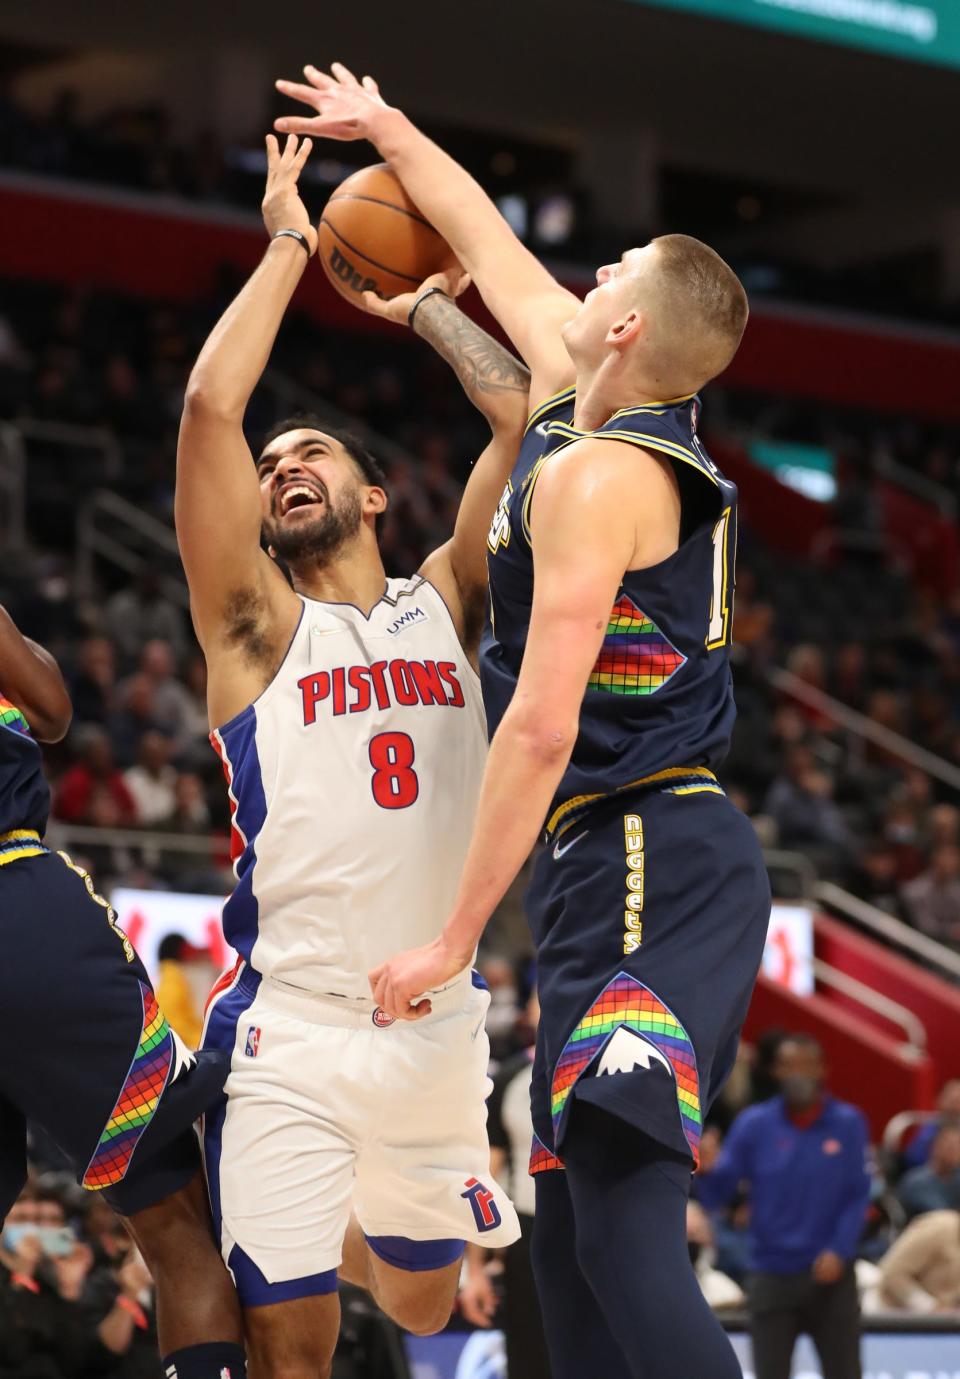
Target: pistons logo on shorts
(486, 1213)
(253, 1041)
(381, 1019)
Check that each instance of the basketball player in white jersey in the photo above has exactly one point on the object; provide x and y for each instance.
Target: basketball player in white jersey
(347, 713)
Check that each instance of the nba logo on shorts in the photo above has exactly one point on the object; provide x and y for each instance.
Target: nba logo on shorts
(485, 1210)
(253, 1041)
(381, 1019)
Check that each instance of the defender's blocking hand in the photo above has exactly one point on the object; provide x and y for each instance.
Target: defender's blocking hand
(346, 108)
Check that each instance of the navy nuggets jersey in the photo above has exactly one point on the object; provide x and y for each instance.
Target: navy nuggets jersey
(660, 694)
(24, 793)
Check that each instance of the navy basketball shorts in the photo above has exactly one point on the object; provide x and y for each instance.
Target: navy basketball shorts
(87, 1053)
(649, 913)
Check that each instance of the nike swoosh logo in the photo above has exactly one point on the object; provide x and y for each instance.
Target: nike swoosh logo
(558, 851)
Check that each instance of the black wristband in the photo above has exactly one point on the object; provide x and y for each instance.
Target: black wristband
(422, 298)
(295, 234)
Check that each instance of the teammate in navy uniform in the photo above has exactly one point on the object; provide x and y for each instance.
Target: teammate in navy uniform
(607, 682)
(88, 1054)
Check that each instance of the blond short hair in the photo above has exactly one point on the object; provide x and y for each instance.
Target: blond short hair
(706, 302)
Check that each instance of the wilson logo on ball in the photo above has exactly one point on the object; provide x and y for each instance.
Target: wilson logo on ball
(345, 271)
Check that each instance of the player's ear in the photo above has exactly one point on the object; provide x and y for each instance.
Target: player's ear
(272, 552)
(375, 501)
(625, 329)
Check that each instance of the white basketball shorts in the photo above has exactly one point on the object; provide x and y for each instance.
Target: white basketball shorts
(331, 1109)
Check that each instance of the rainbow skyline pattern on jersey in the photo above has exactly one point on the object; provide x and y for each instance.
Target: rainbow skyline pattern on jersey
(625, 1001)
(137, 1102)
(11, 717)
(635, 658)
(542, 1159)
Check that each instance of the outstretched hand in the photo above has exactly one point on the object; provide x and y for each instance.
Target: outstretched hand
(282, 207)
(345, 106)
(451, 281)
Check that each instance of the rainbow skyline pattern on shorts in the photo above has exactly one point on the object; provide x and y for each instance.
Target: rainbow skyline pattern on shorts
(635, 658)
(11, 717)
(137, 1102)
(542, 1159)
(625, 1001)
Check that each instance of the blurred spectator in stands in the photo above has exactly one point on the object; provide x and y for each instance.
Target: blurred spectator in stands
(932, 899)
(196, 723)
(45, 1332)
(152, 781)
(205, 871)
(807, 663)
(500, 977)
(719, 1290)
(94, 681)
(920, 1273)
(92, 780)
(800, 803)
(935, 1185)
(49, 607)
(135, 716)
(174, 991)
(752, 617)
(875, 879)
(802, 1155)
(849, 676)
(886, 710)
(903, 838)
(140, 614)
(171, 699)
(948, 1113)
(943, 826)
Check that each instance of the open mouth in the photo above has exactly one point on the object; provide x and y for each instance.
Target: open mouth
(297, 496)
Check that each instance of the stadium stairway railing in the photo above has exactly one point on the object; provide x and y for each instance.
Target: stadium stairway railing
(932, 998)
(879, 1072)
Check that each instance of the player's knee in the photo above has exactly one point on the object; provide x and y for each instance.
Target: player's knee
(423, 1316)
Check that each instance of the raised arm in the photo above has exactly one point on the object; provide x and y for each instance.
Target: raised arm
(529, 303)
(31, 679)
(585, 536)
(217, 504)
(498, 386)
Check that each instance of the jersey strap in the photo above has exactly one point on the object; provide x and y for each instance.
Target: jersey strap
(550, 404)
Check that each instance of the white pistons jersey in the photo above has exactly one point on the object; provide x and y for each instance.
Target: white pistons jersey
(353, 782)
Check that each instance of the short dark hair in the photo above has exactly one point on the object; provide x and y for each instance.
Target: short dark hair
(368, 466)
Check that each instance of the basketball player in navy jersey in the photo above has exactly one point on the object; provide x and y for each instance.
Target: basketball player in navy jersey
(88, 1054)
(607, 686)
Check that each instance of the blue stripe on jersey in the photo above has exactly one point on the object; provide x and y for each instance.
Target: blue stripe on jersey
(238, 749)
(221, 1033)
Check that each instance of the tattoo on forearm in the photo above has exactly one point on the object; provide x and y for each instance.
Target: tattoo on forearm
(481, 364)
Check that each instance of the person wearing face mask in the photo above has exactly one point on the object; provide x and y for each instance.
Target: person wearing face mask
(802, 1156)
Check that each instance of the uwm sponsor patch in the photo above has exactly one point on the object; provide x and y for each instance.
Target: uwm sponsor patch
(355, 689)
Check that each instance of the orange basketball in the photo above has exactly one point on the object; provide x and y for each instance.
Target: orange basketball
(373, 238)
